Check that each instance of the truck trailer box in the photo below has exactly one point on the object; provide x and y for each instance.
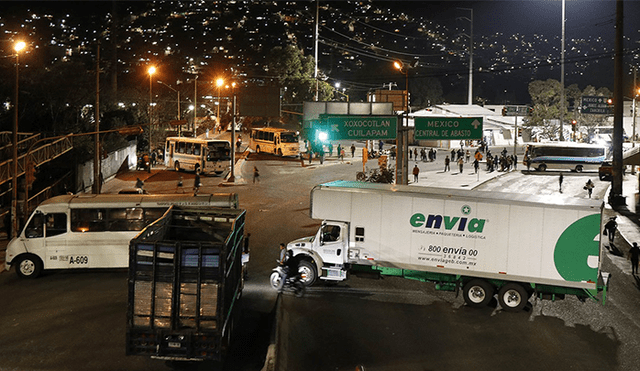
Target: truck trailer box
(546, 239)
(185, 278)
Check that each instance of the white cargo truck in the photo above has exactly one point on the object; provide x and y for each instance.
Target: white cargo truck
(484, 243)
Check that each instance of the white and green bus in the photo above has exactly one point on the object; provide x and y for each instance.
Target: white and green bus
(92, 231)
(197, 154)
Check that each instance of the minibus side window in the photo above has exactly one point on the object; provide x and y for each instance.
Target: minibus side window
(34, 228)
(56, 224)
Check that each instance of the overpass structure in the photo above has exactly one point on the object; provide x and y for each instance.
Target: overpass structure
(27, 151)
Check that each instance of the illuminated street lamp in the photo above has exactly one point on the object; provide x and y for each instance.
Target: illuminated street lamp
(402, 165)
(337, 90)
(151, 71)
(18, 47)
(219, 83)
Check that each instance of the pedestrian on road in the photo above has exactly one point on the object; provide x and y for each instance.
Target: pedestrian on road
(460, 163)
(446, 163)
(634, 254)
(341, 154)
(139, 183)
(256, 174)
(353, 149)
(476, 165)
(560, 181)
(416, 171)
(610, 229)
(589, 187)
(196, 184)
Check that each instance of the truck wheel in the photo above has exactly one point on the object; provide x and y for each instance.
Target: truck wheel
(276, 281)
(307, 272)
(579, 168)
(478, 293)
(513, 297)
(28, 266)
(542, 167)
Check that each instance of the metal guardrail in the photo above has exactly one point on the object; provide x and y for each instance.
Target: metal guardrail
(39, 156)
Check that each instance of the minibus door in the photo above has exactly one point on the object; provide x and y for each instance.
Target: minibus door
(55, 240)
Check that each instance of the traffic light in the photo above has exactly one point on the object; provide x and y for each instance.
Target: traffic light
(30, 173)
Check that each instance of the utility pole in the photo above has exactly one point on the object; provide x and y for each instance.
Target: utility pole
(562, 75)
(615, 194)
(470, 97)
(97, 184)
(316, 35)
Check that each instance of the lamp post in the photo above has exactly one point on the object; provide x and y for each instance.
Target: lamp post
(175, 91)
(219, 83)
(232, 177)
(402, 141)
(151, 71)
(19, 46)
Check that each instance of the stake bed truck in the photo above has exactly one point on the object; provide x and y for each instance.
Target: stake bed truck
(185, 280)
(484, 243)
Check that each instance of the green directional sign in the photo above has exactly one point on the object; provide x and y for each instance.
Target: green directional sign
(361, 127)
(448, 128)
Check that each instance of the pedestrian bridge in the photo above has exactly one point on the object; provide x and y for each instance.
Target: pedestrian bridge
(28, 151)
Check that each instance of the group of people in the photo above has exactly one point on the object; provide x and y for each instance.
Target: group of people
(425, 155)
(633, 255)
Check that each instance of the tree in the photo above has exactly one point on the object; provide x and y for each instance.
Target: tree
(295, 73)
(426, 92)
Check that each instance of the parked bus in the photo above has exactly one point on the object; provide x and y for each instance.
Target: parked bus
(92, 231)
(280, 142)
(564, 155)
(200, 155)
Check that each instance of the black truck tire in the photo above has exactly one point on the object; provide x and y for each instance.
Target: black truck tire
(477, 293)
(513, 297)
(308, 273)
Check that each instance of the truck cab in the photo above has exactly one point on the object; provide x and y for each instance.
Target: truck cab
(323, 255)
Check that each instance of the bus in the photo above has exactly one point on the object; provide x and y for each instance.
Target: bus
(92, 231)
(280, 142)
(204, 156)
(564, 155)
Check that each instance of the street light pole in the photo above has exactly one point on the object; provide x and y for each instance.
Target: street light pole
(219, 83)
(14, 186)
(152, 70)
(402, 141)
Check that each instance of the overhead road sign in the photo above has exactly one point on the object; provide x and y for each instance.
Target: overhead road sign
(515, 111)
(596, 105)
(448, 128)
(346, 127)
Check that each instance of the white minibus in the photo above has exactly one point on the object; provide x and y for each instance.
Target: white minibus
(92, 231)
(200, 155)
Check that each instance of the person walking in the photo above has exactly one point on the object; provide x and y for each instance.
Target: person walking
(560, 181)
(416, 171)
(341, 154)
(446, 163)
(610, 229)
(589, 187)
(139, 183)
(256, 174)
(196, 184)
(476, 165)
(353, 149)
(460, 163)
(634, 254)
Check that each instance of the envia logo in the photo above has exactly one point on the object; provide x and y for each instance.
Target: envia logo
(450, 222)
(574, 247)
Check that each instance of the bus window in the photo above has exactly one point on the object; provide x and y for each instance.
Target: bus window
(56, 224)
(34, 228)
(87, 220)
(180, 148)
(196, 149)
(189, 149)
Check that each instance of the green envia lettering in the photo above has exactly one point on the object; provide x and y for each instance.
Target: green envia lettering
(574, 247)
(418, 220)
